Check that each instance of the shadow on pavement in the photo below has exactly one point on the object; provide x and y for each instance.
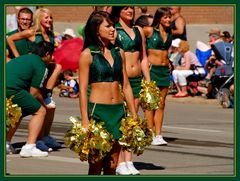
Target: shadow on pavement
(147, 166)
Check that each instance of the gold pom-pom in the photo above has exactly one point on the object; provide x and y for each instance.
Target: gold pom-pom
(13, 113)
(135, 135)
(90, 145)
(149, 95)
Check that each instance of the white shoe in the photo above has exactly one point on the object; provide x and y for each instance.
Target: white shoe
(122, 169)
(132, 169)
(30, 150)
(50, 103)
(158, 140)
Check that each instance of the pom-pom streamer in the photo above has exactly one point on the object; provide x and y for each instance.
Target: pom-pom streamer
(91, 145)
(149, 95)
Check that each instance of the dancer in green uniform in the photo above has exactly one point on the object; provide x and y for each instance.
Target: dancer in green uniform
(24, 78)
(131, 39)
(103, 66)
(158, 43)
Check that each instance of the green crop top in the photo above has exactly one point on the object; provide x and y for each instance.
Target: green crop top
(39, 38)
(156, 41)
(124, 40)
(101, 70)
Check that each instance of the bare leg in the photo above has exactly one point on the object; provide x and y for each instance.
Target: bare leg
(150, 118)
(111, 160)
(11, 131)
(159, 113)
(95, 168)
(45, 131)
(35, 125)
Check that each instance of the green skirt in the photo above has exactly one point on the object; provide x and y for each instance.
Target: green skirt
(161, 75)
(136, 85)
(110, 114)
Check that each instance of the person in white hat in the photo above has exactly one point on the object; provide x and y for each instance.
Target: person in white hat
(174, 55)
(68, 34)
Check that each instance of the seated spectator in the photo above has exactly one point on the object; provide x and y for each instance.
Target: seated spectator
(227, 37)
(211, 63)
(69, 87)
(174, 55)
(68, 34)
(188, 66)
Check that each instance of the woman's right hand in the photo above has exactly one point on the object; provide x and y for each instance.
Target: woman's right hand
(85, 125)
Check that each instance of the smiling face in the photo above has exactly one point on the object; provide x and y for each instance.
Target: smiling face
(106, 31)
(24, 21)
(46, 20)
(165, 21)
(127, 13)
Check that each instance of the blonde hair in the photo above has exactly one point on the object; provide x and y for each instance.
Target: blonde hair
(37, 17)
(184, 46)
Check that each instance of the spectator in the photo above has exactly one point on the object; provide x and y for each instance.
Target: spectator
(178, 23)
(180, 73)
(69, 87)
(227, 37)
(211, 63)
(68, 34)
(103, 8)
(174, 55)
(143, 10)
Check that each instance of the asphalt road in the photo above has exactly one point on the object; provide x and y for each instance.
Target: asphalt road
(200, 134)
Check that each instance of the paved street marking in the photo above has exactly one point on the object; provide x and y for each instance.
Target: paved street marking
(52, 158)
(193, 129)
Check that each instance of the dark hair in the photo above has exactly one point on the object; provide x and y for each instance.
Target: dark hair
(25, 10)
(116, 13)
(143, 20)
(42, 48)
(143, 9)
(68, 72)
(226, 34)
(160, 12)
(92, 27)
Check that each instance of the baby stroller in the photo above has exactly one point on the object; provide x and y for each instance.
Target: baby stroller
(224, 97)
(224, 75)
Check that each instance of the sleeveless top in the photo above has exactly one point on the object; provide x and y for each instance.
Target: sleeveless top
(183, 36)
(101, 70)
(39, 38)
(156, 41)
(125, 42)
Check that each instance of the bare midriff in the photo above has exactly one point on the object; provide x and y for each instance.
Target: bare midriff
(158, 57)
(106, 93)
(133, 64)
